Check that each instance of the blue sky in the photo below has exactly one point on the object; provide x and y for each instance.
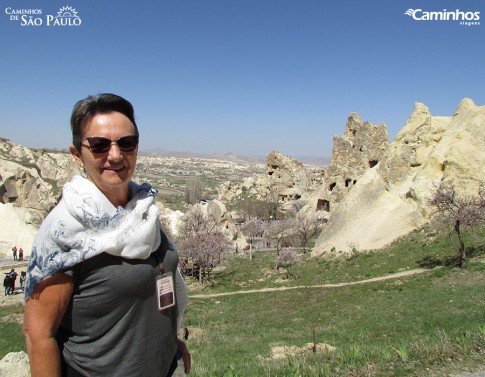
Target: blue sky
(240, 76)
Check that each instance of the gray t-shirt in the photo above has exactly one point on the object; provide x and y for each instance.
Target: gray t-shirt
(113, 326)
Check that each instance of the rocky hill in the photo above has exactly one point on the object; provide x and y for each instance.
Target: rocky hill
(391, 198)
(373, 192)
(285, 180)
(31, 182)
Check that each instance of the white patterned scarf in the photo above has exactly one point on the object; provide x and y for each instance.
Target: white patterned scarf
(85, 224)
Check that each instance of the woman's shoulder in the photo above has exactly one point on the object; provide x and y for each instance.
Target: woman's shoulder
(58, 219)
(58, 210)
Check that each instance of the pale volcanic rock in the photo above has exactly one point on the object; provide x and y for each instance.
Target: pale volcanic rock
(25, 188)
(217, 210)
(392, 198)
(362, 146)
(30, 184)
(15, 364)
(14, 231)
(285, 181)
(32, 180)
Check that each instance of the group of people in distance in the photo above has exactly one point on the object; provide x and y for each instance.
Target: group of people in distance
(10, 279)
(104, 296)
(17, 255)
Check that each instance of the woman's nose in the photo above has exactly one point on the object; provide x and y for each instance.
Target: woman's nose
(114, 152)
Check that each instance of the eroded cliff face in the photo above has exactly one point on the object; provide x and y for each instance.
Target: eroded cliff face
(286, 180)
(362, 146)
(391, 198)
(32, 179)
(30, 185)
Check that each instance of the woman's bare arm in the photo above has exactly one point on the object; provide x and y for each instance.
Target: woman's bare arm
(43, 313)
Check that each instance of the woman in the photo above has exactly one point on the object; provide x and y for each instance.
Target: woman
(100, 263)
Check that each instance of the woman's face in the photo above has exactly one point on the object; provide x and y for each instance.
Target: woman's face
(110, 171)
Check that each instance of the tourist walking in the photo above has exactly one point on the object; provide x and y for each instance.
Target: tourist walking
(101, 268)
(21, 254)
(14, 252)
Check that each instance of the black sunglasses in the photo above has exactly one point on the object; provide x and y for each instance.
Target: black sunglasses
(97, 144)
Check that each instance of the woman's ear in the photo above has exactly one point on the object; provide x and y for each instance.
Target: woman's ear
(77, 156)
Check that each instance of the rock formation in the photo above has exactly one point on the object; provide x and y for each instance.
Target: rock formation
(285, 181)
(217, 210)
(361, 147)
(15, 364)
(30, 184)
(391, 198)
(286, 177)
(370, 194)
(14, 231)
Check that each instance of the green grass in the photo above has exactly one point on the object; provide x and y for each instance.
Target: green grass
(420, 249)
(413, 326)
(12, 339)
(413, 315)
(402, 327)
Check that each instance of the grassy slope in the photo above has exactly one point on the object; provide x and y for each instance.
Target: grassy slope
(403, 327)
(398, 327)
(11, 339)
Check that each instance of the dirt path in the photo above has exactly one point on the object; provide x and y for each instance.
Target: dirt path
(336, 285)
(18, 297)
(480, 373)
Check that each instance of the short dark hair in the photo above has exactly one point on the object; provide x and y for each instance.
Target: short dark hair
(85, 109)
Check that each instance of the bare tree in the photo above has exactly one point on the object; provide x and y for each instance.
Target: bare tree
(273, 205)
(196, 221)
(280, 231)
(306, 224)
(206, 251)
(249, 209)
(252, 229)
(458, 212)
(258, 209)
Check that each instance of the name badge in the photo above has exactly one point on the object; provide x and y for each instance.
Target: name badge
(165, 290)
